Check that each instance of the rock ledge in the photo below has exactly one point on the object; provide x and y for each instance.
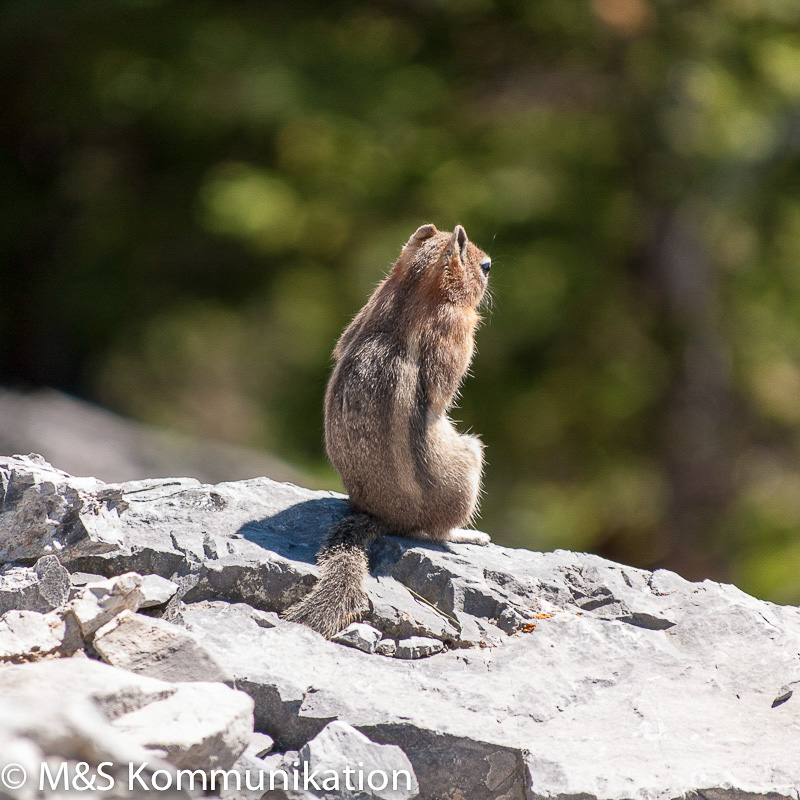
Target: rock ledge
(510, 674)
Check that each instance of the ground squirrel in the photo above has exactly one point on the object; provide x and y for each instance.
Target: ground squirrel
(398, 368)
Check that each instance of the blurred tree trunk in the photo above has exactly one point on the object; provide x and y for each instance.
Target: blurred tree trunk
(697, 426)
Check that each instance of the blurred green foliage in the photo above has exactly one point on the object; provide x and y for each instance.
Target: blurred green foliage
(197, 197)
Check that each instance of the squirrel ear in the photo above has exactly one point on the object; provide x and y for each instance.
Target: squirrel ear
(422, 233)
(417, 238)
(459, 242)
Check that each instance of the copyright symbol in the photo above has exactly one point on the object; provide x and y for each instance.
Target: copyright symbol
(13, 776)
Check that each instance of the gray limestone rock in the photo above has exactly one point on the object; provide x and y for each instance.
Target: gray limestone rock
(260, 745)
(52, 582)
(42, 587)
(252, 541)
(29, 635)
(71, 711)
(156, 648)
(45, 511)
(386, 647)
(99, 602)
(398, 612)
(417, 647)
(156, 591)
(80, 580)
(200, 726)
(350, 765)
(564, 675)
(359, 635)
(497, 721)
(54, 742)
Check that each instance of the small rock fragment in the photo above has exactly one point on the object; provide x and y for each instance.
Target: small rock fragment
(260, 745)
(42, 587)
(418, 647)
(79, 580)
(156, 648)
(254, 777)
(359, 635)
(98, 603)
(785, 693)
(399, 614)
(386, 647)
(28, 635)
(156, 591)
(53, 581)
(662, 582)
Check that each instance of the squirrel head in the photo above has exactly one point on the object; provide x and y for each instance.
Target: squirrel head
(446, 267)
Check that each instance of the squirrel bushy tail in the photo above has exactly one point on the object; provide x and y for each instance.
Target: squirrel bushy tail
(338, 598)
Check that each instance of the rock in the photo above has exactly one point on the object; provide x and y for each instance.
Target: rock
(359, 635)
(417, 647)
(284, 772)
(544, 652)
(254, 541)
(467, 718)
(350, 765)
(43, 587)
(199, 726)
(82, 710)
(260, 745)
(81, 579)
(785, 692)
(253, 778)
(45, 511)
(28, 635)
(85, 439)
(439, 717)
(156, 591)
(386, 647)
(253, 768)
(49, 742)
(156, 648)
(53, 584)
(395, 610)
(97, 603)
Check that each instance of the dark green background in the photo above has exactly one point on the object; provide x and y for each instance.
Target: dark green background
(198, 196)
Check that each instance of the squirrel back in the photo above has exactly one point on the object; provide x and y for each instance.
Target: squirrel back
(399, 365)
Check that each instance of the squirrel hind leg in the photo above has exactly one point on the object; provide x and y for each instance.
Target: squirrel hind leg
(455, 535)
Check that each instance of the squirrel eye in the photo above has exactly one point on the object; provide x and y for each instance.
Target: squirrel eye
(486, 265)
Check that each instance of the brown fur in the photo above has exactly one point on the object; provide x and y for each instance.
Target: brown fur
(399, 365)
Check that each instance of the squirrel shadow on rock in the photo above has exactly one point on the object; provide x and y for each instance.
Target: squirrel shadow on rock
(297, 532)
